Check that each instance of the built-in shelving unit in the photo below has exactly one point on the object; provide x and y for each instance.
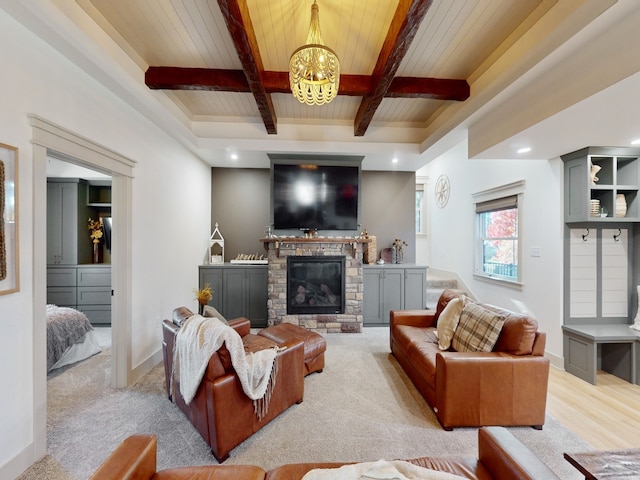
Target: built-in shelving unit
(600, 265)
(619, 174)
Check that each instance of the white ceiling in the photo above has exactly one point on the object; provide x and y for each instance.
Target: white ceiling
(554, 75)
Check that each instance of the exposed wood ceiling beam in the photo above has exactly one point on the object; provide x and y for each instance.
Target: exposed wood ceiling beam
(403, 28)
(177, 78)
(238, 20)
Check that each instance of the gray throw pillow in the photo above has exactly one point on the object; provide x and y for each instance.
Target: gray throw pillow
(211, 312)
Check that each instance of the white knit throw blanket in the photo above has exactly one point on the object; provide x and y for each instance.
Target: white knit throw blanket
(380, 470)
(201, 337)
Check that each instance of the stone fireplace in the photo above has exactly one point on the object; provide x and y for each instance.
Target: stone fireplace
(318, 305)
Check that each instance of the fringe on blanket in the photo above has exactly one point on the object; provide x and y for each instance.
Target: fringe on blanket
(261, 405)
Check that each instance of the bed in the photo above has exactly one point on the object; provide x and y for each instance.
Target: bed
(70, 337)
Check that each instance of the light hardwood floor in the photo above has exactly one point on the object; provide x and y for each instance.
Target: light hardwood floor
(606, 415)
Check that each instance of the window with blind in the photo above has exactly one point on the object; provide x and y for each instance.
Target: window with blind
(497, 230)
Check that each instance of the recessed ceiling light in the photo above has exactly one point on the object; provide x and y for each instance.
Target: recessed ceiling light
(394, 160)
(524, 150)
(635, 142)
(234, 156)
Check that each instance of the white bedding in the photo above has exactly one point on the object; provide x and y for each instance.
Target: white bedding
(70, 337)
(79, 351)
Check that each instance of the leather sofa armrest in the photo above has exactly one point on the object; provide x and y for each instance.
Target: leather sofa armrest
(133, 459)
(501, 386)
(241, 325)
(414, 318)
(507, 458)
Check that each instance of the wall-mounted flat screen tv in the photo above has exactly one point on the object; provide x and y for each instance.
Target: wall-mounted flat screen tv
(315, 196)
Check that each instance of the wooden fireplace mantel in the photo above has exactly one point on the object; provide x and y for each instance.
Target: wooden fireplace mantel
(276, 242)
(269, 240)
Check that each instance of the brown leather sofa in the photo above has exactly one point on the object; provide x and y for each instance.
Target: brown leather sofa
(507, 386)
(500, 456)
(220, 410)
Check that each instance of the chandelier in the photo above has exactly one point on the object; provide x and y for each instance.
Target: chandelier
(314, 69)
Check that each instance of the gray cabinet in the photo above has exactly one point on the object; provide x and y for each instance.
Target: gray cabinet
(618, 176)
(70, 204)
(94, 293)
(238, 290)
(62, 222)
(392, 287)
(84, 287)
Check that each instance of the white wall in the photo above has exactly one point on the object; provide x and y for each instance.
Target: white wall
(451, 233)
(171, 211)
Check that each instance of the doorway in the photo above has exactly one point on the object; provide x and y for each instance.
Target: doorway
(79, 232)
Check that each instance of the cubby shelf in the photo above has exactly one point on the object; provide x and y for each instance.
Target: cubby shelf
(619, 174)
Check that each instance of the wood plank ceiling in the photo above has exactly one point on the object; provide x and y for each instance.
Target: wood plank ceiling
(402, 61)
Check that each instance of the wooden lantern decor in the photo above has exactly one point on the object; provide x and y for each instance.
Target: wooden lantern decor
(216, 246)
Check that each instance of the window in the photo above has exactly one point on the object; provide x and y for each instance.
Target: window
(497, 232)
(419, 212)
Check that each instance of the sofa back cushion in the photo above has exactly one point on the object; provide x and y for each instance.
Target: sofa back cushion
(478, 329)
(517, 335)
(445, 297)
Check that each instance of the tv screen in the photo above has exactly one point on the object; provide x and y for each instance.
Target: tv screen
(311, 196)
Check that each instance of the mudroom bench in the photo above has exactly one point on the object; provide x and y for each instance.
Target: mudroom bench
(614, 348)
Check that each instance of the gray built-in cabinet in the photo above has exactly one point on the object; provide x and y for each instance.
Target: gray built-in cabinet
(72, 279)
(83, 287)
(241, 291)
(601, 268)
(238, 291)
(392, 287)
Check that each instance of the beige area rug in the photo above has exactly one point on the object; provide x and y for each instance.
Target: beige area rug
(361, 408)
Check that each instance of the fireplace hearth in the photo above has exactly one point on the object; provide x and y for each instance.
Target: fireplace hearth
(315, 284)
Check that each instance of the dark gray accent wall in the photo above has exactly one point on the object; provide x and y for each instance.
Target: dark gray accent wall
(240, 204)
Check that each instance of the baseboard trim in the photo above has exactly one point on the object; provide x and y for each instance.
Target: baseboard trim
(142, 368)
(18, 464)
(556, 360)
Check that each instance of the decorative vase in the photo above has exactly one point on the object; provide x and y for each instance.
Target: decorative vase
(394, 255)
(96, 253)
(621, 205)
(399, 256)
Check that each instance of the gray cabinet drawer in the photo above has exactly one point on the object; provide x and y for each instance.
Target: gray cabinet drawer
(94, 276)
(61, 277)
(97, 314)
(94, 296)
(62, 296)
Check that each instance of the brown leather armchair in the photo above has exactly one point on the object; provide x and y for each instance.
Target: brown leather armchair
(220, 410)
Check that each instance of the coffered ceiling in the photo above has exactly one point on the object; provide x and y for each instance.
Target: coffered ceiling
(213, 73)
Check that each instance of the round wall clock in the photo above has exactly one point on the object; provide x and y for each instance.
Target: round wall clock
(442, 190)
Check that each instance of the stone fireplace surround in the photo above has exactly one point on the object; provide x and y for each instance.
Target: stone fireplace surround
(279, 248)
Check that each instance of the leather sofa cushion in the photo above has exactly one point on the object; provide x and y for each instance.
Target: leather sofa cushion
(445, 296)
(212, 472)
(517, 335)
(420, 346)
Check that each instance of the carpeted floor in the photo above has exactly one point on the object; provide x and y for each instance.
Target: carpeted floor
(361, 408)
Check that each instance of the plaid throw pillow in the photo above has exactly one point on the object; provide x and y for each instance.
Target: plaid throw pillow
(477, 330)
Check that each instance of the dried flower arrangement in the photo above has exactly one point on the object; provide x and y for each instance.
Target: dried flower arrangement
(203, 296)
(95, 227)
(399, 244)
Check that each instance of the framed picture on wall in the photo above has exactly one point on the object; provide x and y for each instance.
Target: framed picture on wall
(9, 280)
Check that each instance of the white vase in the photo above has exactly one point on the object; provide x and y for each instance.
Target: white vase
(621, 205)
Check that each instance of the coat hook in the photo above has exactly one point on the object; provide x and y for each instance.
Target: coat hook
(584, 237)
(616, 237)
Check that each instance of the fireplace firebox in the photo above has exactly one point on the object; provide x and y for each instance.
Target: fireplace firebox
(315, 284)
